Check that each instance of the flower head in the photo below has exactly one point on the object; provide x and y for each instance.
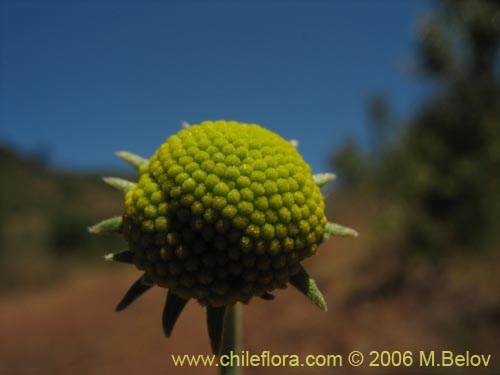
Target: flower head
(221, 213)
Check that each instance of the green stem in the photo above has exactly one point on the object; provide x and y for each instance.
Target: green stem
(232, 337)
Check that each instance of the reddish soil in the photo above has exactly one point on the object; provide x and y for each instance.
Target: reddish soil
(71, 328)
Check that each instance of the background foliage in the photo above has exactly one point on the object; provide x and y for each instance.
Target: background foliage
(438, 169)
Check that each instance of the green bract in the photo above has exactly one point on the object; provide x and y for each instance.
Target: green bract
(221, 213)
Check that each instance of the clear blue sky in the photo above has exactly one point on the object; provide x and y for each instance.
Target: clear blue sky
(87, 78)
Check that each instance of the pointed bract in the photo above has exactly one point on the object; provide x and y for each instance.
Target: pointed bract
(321, 179)
(332, 229)
(173, 308)
(111, 225)
(123, 257)
(134, 160)
(185, 125)
(306, 285)
(215, 322)
(136, 290)
(119, 183)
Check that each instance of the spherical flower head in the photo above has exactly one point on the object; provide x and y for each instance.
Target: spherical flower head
(223, 212)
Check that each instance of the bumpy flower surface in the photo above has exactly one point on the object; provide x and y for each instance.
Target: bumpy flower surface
(222, 212)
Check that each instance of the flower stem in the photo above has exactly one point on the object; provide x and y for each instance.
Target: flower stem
(232, 337)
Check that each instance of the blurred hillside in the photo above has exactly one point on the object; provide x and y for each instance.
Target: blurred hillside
(43, 219)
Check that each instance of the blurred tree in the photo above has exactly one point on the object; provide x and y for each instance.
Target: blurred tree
(450, 177)
(444, 168)
(379, 112)
(351, 165)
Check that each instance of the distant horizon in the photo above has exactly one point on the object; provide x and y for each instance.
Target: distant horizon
(84, 80)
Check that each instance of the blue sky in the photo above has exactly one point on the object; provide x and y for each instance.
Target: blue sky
(87, 78)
